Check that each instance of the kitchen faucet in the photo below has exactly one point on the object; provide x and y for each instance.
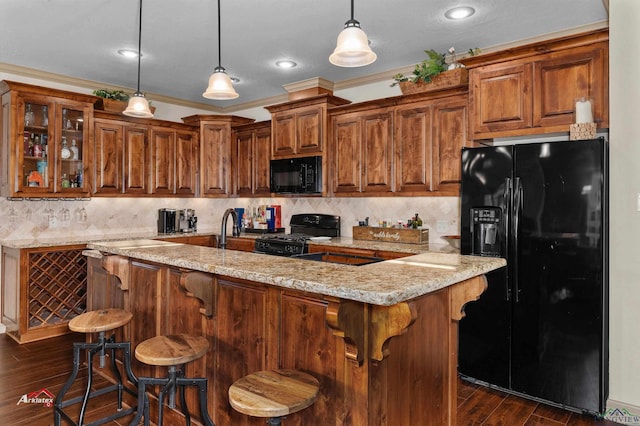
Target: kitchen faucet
(236, 227)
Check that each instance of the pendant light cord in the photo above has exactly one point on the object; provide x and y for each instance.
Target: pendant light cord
(139, 45)
(219, 42)
(351, 9)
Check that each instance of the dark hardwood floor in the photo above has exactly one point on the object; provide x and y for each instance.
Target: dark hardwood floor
(45, 365)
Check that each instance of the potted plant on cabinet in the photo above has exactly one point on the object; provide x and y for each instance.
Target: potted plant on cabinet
(433, 74)
(113, 100)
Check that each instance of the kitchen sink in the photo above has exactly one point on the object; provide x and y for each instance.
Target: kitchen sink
(343, 259)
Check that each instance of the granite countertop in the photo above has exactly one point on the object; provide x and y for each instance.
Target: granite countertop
(384, 283)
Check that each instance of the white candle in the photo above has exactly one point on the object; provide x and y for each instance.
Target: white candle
(583, 112)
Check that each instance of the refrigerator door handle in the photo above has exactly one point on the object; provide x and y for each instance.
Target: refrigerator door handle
(506, 205)
(517, 208)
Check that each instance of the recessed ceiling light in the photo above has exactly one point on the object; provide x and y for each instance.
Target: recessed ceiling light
(128, 53)
(460, 12)
(235, 79)
(286, 64)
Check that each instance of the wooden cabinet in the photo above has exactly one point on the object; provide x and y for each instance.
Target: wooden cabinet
(174, 161)
(45, 141)
(215, 132)
(533, 89)
(251, 159)
(429, 139)
(407, 146)
(42, 289)
(143, 157)
(299, 128)
(362, 151)
(195, 240)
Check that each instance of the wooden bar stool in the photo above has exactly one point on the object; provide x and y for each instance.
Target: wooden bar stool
(99, 321)
(172, 351)
(273, 394)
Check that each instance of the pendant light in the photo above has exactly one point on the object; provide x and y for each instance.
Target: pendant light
(138, 105)
(352, 49)
(220, 86)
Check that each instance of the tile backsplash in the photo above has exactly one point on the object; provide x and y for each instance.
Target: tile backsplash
(102, 217)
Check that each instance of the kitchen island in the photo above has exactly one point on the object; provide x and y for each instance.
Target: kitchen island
(380, 338)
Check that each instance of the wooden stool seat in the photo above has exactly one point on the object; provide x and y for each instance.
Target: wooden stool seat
(100, 320)
(275, 393)
(172, 349)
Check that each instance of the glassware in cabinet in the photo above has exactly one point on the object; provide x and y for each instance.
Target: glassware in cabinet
(35, 173)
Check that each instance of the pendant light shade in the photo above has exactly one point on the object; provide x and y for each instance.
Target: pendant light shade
(138, 105)
(220, 86)
(352, 49)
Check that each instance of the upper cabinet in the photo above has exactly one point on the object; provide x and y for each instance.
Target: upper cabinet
(143, 157)
(362, 151)
(404, 146)
(534, 89)
(250, 159)
(299, 127)
(45, 141)
(215, 152)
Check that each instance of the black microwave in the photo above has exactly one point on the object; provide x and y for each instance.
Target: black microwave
(297, 175)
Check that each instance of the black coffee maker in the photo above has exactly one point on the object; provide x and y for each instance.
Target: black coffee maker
(168, 221)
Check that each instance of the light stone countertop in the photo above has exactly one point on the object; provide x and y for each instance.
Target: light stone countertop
(384, 283)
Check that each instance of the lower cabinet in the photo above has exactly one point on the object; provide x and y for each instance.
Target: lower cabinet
(42, 289)
(366, 371)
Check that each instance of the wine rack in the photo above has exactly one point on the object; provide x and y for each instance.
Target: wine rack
(46, 288)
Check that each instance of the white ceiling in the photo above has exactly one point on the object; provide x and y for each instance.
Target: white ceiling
(80, 38)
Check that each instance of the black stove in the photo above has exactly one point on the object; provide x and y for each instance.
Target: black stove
(303, 227)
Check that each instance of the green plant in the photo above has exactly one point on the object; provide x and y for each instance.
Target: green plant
(117, 95)
(425, 70)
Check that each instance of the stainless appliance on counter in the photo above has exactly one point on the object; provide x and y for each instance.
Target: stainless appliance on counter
(188, 222)
(303, 227)
(540, 329)
(171, 221)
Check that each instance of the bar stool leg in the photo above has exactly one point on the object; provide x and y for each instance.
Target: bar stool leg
(57, 415)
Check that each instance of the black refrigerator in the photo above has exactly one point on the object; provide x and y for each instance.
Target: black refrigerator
(540, 329)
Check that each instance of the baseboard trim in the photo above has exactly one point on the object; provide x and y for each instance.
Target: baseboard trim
(623, 413)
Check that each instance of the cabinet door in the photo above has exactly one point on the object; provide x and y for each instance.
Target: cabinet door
(136, 160)
(377, 151)
(284, 134)
(70, 144)
(261, 162)
(309, 130)
(214, 157)
(449, 137)
(413, 153)
(244, 160)
(501, 97)
(34, 162)
(163, 154)
(187, 166)
(345, 152)
(565, 77)
(107, 158)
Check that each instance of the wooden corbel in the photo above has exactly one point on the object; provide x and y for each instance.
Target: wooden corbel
(199, 285)
(118, 266)
(347, 320)
(387, 322)
(465, 292)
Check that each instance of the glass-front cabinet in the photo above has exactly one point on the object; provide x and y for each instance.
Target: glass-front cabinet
(45, 135)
